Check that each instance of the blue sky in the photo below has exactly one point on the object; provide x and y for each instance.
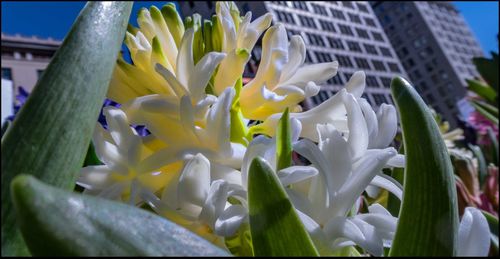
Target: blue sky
(54, 19)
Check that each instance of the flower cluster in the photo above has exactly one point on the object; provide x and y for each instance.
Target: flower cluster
(185, 85)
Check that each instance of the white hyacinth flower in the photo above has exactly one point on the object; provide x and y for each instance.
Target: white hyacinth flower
(122, 151)
(200, 203)
(281, 81)
(238, 40)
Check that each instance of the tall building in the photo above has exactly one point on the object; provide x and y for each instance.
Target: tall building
(348, 32)
(25, 58)
(436, 48)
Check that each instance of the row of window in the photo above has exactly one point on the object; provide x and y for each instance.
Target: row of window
(7, 73)
(320, 9)
(329, 26)
(336, 43)
(363, 63)
(325, 95)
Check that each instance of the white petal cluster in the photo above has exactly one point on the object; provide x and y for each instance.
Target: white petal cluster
(191, 172)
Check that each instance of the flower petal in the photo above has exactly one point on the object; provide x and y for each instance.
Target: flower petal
(194, 181)
(293, 174)
(230, 220)
(473, 234)
(356, 84)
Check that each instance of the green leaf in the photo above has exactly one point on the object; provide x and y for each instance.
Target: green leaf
(488, 68)
(52, 131)
(481, 163)
(393, 202)
(284, 142)
(482, 90)
(91, 157)
(494, 145)
(488, 107)
(55, 222)
(241, 243)
(428, 220)
(493, 224)
(275, 226)
(5, 126)
(485, 113)
(239, 129)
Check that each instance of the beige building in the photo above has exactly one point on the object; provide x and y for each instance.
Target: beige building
(25, 58)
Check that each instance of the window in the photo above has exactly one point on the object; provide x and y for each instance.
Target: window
(370, 49)
(327, 26)
(300, 5)
(353, 46)
(307, 21)
(39, 73)
(308, 58)
(323, 57)
(386, 81)
(347, 76)
(337, 14)
(344, 61)
(354, 18)
(385, 52)
(285, 17)
(370, 22)
(283, 3)
(315, 39)
(336, 80)
(394, 67)
(371, 81)
(319, 9)
(378, 65)
(362, 33)
(7, 73)
(323, 96)
(335, 43)
(379, 99)
(431, 99)
(377, 36)
(404, 52)
(345, 30)
(348, 4)
(362, 63)
(423, 86)
(290, 33)
(362, 7)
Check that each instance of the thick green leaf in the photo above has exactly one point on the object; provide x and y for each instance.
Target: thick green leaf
(488, 68)
(284, 142)
(493, 223)
(428, 220)
(275, 226)
(482, 90)
(393, 202)
(481, 163)
(55, 222)
(488, 107)
(52, 131)
(494, 145)
(485, 112)
(5, 126)
(241, 243)
(91, 157)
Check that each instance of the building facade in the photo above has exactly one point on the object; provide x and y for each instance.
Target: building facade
(436, 47)
(348, 32)
(25, 58)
